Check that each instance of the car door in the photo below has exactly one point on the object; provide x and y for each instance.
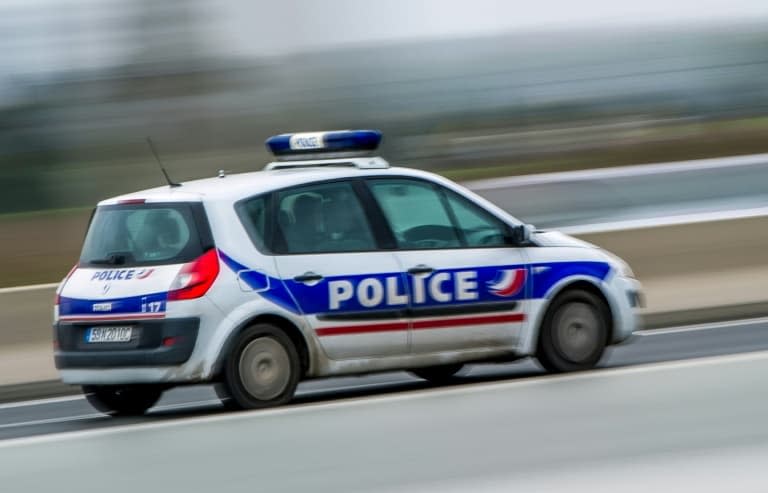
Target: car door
(351, 292)
(467, 285)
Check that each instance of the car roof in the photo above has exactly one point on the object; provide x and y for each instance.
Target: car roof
(241, 185)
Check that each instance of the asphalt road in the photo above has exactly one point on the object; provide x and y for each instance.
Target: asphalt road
(73, 413)
(628, 426)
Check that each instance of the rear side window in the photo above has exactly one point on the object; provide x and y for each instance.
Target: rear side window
(253, 215)
(142, 234)
(322, 218)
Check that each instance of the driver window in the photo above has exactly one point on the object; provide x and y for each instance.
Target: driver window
(480, 229)
(416, 214)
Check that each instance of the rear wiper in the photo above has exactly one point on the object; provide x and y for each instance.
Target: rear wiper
(114, 259)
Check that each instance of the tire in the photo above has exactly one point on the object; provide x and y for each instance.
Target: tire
(122, 400)
(438, 374)
(574, 332)
(261, 370)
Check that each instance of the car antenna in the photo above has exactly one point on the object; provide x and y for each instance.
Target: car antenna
(171, 183)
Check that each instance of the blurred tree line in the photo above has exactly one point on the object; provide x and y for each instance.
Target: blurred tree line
(27, 155)
(78, 136)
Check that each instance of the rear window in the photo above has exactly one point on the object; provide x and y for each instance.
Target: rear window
(142, 234)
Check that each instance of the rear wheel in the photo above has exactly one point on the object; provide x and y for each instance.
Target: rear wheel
(122, 400)
(574, 332)
(438, 374)
(262, 370)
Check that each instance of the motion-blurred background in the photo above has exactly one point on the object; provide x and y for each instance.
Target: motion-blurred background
(470, 89)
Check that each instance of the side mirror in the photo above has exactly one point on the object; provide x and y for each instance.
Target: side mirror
(521, 234)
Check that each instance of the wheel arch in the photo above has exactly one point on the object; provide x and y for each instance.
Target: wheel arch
(291, 330)
(580, 283)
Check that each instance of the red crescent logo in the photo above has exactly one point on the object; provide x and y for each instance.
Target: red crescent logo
(508, 282)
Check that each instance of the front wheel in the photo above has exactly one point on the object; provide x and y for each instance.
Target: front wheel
(262, 370)
(122, 400)
(574, 332)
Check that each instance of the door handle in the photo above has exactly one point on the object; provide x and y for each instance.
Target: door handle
(420, 269)
(308, 277)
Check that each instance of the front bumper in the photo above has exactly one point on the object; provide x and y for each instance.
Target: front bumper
(165, 342)
(628, 299)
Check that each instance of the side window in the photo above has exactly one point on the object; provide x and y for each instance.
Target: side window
(480, 229)
(253, 215)
(327, 217)
(416, 214)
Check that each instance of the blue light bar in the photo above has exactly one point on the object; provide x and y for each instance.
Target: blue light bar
(342, 141)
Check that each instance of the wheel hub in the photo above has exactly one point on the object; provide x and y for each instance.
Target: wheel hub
(578, 331)
(264, 368)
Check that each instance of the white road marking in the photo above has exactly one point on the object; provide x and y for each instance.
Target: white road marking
(618, 172)
(165, 407)
(80, 417)
(41, 402)
(31, 287)
(80, 397)
(388, 399)
(186, 405)
(355, 387)
(660, 221)
(48, 421)
(699, 327)
(303, 392)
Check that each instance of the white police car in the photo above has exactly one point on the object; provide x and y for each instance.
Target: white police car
(326, 263)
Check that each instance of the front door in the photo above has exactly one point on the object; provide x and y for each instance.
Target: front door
(467, 285)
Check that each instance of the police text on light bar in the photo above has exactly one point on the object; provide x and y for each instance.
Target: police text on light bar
(354, 141)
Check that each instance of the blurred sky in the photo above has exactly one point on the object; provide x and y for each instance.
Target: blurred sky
(280, 26)
(46, 36)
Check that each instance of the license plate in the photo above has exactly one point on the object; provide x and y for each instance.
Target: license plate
(108, 334)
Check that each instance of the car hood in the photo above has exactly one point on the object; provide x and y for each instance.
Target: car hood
(558, 239)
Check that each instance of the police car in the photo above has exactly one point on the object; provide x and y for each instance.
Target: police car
(328, 262)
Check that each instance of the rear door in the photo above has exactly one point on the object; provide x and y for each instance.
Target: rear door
(351, 292)
(467, 285)
(131, 256)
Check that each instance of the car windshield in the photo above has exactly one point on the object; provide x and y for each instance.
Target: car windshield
(141, 234)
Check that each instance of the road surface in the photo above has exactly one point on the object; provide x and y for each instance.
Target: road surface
(499, 426)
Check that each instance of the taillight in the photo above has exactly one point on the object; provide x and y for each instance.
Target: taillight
(57, 299)
(196, 277)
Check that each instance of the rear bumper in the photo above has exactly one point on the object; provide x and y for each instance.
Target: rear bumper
(155, 343)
